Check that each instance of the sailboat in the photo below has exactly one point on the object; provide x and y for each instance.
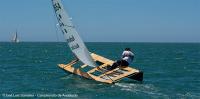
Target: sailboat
(15, 38)
(93, 65)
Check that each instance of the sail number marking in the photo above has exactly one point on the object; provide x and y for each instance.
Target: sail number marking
(76, 46)
(57, 6)
(59, 16)
(71, 39)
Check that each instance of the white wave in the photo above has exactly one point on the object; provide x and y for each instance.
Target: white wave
(189, 95)
(67, 77)
(178, 58)
(141, 88)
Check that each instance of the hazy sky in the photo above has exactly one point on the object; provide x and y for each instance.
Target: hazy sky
(104, 20)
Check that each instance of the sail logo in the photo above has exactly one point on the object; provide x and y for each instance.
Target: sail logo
(62, 24)
(57, 6)
(59, 17)
(65, 31)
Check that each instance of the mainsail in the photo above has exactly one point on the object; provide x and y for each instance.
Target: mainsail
(15, 38)
(73, 39)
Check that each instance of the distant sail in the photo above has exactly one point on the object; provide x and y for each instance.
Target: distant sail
(71, 35)
(15, 38)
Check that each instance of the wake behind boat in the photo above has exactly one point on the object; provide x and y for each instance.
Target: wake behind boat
(93, 66)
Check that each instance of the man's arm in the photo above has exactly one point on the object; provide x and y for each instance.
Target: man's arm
(123, 55)
(132, 55)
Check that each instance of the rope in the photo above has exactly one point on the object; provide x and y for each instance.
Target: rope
(55, 24)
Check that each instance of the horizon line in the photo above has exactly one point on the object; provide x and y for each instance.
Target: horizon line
(90, 42)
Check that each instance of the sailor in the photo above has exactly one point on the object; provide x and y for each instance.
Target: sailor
(126, 59)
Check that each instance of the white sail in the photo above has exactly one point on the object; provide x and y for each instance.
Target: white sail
(73, 39)
(15, 38)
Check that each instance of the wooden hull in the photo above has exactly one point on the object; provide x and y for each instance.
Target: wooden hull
(100, 73)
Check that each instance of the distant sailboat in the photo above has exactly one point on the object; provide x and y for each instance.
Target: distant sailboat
(15, 38)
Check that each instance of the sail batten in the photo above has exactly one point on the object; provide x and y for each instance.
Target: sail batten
(71, 35)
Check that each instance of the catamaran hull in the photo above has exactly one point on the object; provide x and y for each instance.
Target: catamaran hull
(137, 76)
(105, 76)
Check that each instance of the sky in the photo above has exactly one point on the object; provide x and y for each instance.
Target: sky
(104, 20)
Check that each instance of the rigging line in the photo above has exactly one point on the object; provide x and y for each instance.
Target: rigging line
(55, 25)
(56, 30)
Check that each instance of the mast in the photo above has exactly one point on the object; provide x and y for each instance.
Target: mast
(72, 37)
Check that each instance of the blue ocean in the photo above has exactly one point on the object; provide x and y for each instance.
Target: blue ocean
(29, 69)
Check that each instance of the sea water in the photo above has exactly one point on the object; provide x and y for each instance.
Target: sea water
(171, 70)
